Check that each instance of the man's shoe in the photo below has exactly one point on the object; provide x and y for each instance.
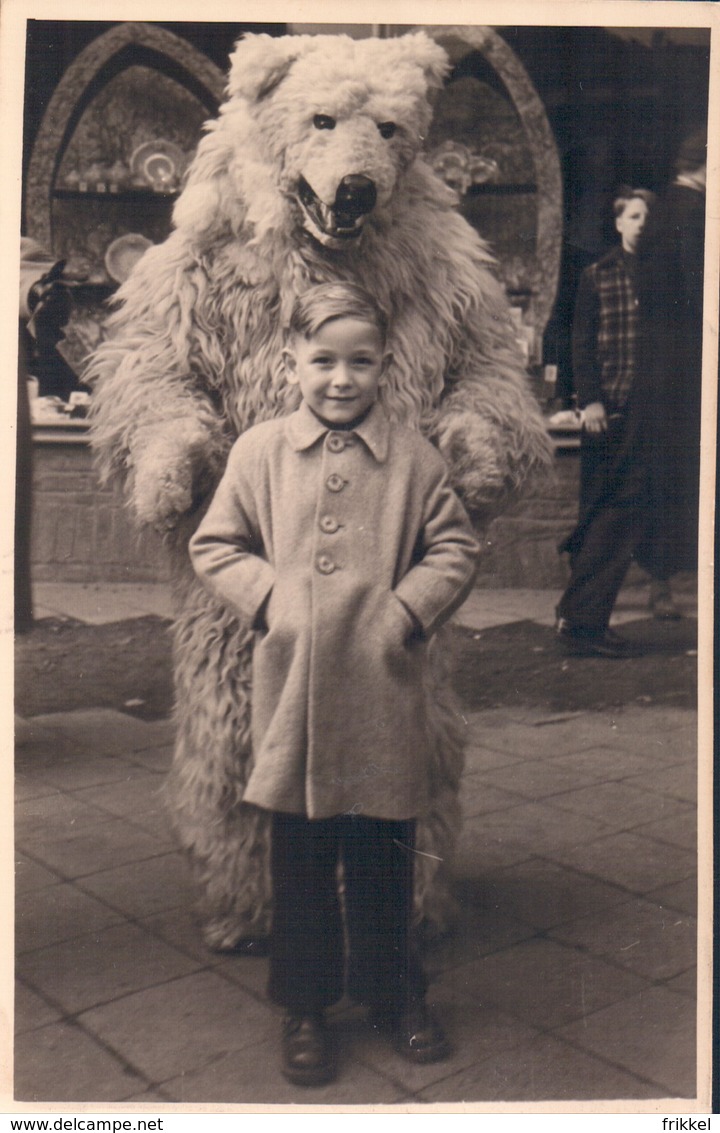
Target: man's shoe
(306, 1051)
(610, 645)
(662, 603)
(257, 946)
(414, 1031)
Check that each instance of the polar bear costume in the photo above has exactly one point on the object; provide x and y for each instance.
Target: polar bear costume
(312, 171)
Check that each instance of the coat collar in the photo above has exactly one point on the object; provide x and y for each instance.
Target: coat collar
(303, 429)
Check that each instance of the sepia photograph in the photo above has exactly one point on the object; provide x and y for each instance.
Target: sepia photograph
(362, 557)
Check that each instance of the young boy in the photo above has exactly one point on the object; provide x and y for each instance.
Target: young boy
(337, 537)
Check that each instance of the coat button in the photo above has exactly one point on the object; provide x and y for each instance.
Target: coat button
(335, 442)
(325, 565)
(329, 524)
(335, 482)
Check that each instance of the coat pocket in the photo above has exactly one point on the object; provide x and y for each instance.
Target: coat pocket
(402, 646)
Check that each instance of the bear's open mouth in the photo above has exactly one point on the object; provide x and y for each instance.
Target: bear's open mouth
(327, 220)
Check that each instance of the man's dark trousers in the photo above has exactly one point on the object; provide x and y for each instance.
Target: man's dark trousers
(612, 524)
(308, 970)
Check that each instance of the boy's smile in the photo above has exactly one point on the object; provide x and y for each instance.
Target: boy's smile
(339, 369)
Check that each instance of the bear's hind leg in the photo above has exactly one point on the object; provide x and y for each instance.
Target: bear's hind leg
(226, 840)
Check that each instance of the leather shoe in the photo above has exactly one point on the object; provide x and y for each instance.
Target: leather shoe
(257, 946)
(608, 644)
(415, 1032)
(306, 1052)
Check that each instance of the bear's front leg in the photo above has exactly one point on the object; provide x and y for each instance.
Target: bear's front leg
(169, 472)
(492, 456)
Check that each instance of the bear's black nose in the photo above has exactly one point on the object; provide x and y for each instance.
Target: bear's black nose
(356, 196)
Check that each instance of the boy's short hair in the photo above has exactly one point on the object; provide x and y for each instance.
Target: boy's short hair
(625, 194)
(339, 300)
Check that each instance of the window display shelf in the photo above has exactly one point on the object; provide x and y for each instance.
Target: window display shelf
(507, 189)
(490, 141)
(122, 123)
(144, 196)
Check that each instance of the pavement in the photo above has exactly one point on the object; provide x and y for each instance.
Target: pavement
(571, 976)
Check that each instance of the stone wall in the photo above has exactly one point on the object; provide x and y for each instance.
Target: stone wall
(80, 530)
(521, 546)
(82, 533)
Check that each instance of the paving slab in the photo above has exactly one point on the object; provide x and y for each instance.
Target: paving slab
(538, 828)
(30, 875)
(32, 1010)
(139, 795)
(481, 797)
(681, 831)
(606, 764)
(155, 759)
(541, 982)
(62, 1063)
(685, 984)
(201, 1017)
(477, 851)
(541, 893)
(474, 1034)
(479, 931)
(91, 849)
(479, 759)
(651, 1034)
(682, 895)
(139, 889)
(103, 966)
(654, 941)
(534, 780)
(69, 769)
(57, 913)
(54, 815)
(181, 928)
(622, 806)
(679, 781)
(542, 1070)
(251, 1076)
(629, 860)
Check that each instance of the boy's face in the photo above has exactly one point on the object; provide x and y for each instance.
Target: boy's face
(339, 369)
(631, 222)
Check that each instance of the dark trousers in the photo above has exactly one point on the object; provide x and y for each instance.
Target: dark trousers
(613, 523)
(598, 569)
(325, 941)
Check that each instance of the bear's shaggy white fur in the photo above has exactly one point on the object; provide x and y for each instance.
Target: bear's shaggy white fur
(311, 172)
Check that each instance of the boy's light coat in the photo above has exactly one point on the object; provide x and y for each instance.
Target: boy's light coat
(341, 534)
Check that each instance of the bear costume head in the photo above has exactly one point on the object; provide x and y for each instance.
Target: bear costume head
(337, 121)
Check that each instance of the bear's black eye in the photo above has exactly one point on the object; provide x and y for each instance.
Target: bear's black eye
(323, 122)
(387, 129)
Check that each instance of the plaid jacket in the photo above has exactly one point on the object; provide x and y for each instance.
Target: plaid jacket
(605, 332)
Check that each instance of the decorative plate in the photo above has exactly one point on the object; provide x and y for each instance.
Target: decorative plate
(124, 253)
(159, 163)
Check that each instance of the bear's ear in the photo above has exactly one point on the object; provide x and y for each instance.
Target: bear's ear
(421, 49)
(260, 62)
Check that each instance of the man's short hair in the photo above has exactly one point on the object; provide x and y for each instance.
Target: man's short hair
(626, 194)
(339, 300)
